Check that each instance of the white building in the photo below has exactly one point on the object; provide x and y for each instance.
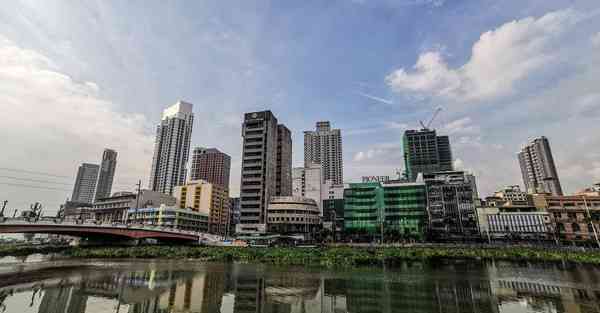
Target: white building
(307, 182)
(85, 183)
(513, 195)
(494, 223)
(172, 148)
(324, 146)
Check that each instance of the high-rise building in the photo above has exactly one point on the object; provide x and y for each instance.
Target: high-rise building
(171, 148)
(426, 152)
(538, 169)
(307, 182)
(283, 184)
(107, 174)
(266, 168)
(210, 199)
(85, 183)
(324, 146)
(211, 165)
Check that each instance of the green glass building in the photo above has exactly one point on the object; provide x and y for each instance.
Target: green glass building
(398, 210)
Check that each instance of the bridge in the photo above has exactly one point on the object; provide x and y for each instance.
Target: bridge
(103, 232)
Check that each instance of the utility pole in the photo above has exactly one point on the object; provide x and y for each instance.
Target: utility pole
(587, 209)
(137, 197)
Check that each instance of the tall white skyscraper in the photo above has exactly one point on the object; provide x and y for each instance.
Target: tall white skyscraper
(308, 182)
(172, 148)
(324, 146)
(85, 183)
(538, 169)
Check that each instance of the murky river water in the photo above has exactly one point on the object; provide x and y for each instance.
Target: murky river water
(190, 286)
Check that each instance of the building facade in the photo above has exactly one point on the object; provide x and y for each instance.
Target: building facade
(211, 165)
(114, 209)
(332, 196)
(450, 206)
(262, 170)
(395, 210)
(513, 195)
(324, 146)
(506, 224)
(538, 169)
(308, 182)
(170, 217)
(107, 174)
(209, 199)
(425, 152)
(294, 215)
(171, 148)
(283, 183)
(577, 218)
(85, 183)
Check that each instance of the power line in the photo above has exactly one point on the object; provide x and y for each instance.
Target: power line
(32, 172)
(35, 180)
(32, 186)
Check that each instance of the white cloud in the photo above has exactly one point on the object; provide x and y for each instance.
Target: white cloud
(596, 40)
(500, 59)
(462, 126)
(51, 123)
(459, 165)
(396, 125)
(368, 154)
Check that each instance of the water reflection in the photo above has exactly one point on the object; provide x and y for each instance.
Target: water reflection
(192, 287)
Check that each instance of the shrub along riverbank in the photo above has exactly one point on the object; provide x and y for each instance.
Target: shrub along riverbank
(24, 250)
(338, 256)
(342, 256)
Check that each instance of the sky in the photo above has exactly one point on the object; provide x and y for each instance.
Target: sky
(80, 76)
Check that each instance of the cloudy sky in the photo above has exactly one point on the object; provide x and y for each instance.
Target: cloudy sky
(79, 76)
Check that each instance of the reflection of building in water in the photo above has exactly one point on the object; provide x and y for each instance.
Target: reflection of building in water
(202, 293)
(259, 292)
(65, 299)
(141, 290)
(402, 294)
(561, 298)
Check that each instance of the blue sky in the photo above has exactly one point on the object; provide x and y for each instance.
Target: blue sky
(76, 77)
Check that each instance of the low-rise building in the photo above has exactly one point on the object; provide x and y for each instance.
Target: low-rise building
(395, 210)
(450, 206)
(506, 224)
(593, 191)
(308, 182)
(207, 198)
(577, 218)
(114, 208)
(294, 215)
(512, 195)
(170, 217)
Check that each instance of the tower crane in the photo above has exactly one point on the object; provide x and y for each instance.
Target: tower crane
(435, 114)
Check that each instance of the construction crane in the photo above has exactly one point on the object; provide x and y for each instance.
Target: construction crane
(435, 114)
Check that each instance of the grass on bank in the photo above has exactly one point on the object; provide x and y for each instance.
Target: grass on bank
(330, 257)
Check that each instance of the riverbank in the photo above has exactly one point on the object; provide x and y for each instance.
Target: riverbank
(25, 250)
(339, 256)
(329, 257)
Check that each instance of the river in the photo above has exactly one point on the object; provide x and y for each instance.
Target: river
(135, 286)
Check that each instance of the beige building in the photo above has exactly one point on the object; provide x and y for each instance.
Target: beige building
(207, 198)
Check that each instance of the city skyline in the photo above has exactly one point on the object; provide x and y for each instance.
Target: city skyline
(372, 94)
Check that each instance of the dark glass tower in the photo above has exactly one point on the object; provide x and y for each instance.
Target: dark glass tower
(426, 152)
